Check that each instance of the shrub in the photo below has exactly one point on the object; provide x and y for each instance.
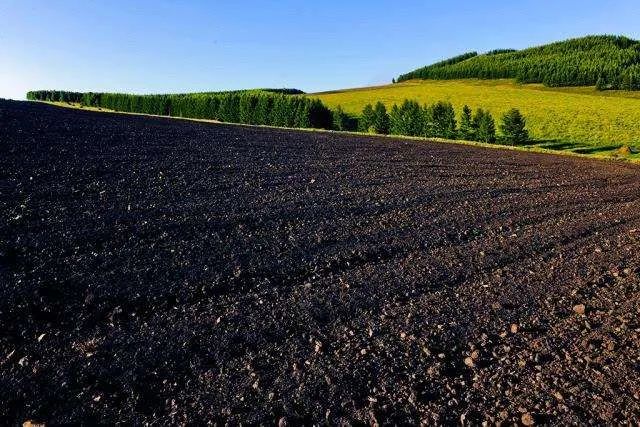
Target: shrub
(343, 121)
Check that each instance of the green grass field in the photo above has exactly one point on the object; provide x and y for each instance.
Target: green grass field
(581, 116)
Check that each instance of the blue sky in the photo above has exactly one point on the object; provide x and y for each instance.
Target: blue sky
(179, 46)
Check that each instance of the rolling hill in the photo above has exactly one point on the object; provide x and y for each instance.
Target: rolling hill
(611, 62)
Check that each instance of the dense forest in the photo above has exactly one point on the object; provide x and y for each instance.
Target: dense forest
(259, 107)
(608, 62)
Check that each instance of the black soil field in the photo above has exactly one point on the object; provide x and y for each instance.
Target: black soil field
(163, 271)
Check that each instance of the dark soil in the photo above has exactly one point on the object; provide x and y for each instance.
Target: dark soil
(163, 271)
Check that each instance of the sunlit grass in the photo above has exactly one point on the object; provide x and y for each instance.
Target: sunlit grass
(581, 115)
(606, 152)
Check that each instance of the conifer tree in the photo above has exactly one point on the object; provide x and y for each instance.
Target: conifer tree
(513, 127)
(367, 119)
(466, 124)
(442, 120)
(408, 119)
(340, 119)
(484, 126)
(380, 119)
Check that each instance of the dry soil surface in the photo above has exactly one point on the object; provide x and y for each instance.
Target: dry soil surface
(163, 271)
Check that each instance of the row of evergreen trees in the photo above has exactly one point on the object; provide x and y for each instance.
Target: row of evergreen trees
(435, 121)
(258, 107)
(610, 62)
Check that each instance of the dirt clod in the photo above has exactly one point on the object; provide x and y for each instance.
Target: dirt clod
(527, 419)
(184, 272)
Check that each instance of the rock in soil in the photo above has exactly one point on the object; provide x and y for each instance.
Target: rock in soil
(157, 271)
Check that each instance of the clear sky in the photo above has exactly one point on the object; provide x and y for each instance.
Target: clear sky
(179, 46)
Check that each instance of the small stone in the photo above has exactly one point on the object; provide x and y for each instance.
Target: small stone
(363, 351)
(475, 355)
(579, 308)
(40, 337)
(527, 419)
(514, 328)
(403, 335)
(469, 362)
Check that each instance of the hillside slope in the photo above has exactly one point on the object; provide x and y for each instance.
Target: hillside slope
(611, 62)
(580, 115)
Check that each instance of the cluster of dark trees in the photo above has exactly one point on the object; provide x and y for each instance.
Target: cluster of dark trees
(55, 96)
(435, 121)
(257, 107)
(260, 107)
(609, 62)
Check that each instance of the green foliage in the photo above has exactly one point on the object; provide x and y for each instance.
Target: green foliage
(407, 119)
(440, 120)
(466, 124)
(484, 127)
(513, 127)
(380, 122)
(575, 62)
(499, 51)
(367, 118)
(54, 96)
(272, 107)
(426, 72)
(343, 121)
(630, 78)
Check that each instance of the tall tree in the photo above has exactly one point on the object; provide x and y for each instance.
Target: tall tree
(466, 124)
(513, 127)
(367, 119)
(484, 126)
(380, 119)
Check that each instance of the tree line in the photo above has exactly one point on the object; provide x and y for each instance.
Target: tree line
(609, 62)
(257, 107)
(435, 121)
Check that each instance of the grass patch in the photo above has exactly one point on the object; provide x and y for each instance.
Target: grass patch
(541, 146)
(580, 115)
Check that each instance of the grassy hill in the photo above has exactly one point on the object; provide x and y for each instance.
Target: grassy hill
(582, 116)
(611, 62)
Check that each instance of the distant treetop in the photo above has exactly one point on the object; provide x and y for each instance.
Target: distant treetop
(611, 61)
